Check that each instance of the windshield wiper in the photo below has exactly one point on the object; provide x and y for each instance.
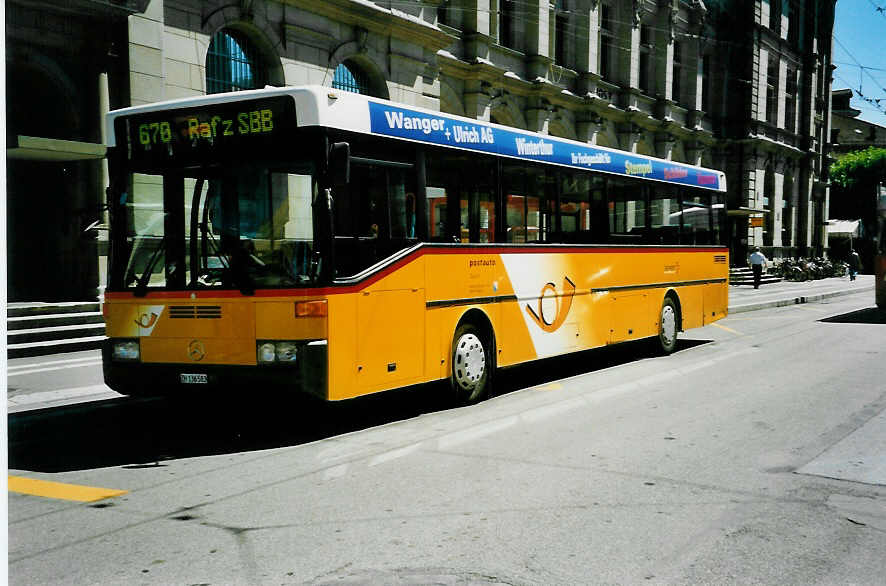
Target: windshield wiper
(141, 288)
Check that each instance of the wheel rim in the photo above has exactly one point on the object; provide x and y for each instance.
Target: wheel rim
(668, 325)
(469, 362)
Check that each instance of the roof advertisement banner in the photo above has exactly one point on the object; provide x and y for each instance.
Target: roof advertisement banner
(440, 129)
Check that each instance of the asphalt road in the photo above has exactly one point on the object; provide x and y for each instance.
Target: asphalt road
(755, 454)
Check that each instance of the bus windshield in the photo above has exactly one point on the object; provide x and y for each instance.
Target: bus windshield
(243, 227)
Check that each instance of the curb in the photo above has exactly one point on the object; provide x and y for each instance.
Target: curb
(796, 300)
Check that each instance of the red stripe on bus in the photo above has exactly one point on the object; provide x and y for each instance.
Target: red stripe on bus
(384, 272)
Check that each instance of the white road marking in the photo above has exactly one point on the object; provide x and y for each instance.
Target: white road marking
(393, 454)
(93, 392)
(18, 370)
(335, 472)
(470, 434)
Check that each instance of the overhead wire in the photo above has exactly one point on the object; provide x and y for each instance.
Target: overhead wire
(880, 9)
(879, 103)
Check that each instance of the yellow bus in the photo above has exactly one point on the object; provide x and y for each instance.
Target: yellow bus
(310, 240)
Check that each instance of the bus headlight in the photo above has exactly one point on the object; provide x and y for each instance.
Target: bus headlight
(126, 350)
(282, 352)
(266, 352)
(286, 352)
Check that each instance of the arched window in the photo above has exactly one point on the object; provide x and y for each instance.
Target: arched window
(351, 79)
(233, 63)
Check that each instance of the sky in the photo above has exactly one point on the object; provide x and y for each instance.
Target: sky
(859, 52)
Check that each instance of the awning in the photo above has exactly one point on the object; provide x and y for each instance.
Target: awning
(34, 148)
(843, 227)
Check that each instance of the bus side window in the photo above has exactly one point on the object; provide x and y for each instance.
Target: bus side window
(627, 212)
(575, 208)
(402, 198)
(718, 217)
(460, 198)
(696, 219)
(665, 216)
(436, 198)
(599, 211)
(514, 186)
(528, 191)
(444, 212)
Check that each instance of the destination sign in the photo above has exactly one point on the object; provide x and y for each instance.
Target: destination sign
(478, 136)
(187, 135)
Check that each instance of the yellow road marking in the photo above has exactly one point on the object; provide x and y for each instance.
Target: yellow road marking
(60, 490)
(550, 387)
(730, 330)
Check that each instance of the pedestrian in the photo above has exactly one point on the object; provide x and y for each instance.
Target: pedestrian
(758, 262)
(854, 264)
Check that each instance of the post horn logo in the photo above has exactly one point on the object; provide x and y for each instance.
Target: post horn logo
(196, 351)
(145, 321)
(563, 302)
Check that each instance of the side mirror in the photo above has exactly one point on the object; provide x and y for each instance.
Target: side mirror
(339, 163)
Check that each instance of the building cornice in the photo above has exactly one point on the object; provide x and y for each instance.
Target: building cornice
(378, 20)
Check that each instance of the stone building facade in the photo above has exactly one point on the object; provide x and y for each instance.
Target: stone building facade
(773, 121)
(848, 132)
(65, 66)
(740, 85)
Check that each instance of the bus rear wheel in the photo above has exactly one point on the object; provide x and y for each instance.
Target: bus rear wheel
(471, 365)
(667, 326)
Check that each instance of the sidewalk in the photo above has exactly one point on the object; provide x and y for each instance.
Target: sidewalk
(746, 298)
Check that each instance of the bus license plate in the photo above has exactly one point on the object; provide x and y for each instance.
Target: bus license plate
(194, 379)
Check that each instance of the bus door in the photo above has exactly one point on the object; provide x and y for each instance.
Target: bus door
(375, 215)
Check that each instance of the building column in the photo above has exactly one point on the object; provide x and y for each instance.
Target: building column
(776, 204)
(147, 79)
(805, 207)
(538, 38)
(104, 101)
(477, 100)
(589, 127)
(663, 51)
(538, 115)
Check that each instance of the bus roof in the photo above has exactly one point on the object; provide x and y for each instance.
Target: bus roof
(333, 108)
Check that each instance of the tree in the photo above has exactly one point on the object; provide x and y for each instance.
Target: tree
(855, 177)
(860, 168)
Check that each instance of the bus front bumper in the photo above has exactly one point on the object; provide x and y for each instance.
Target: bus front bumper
(132, 377)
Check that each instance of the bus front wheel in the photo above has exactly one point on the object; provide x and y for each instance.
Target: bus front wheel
(471, 364)
(668, 326)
